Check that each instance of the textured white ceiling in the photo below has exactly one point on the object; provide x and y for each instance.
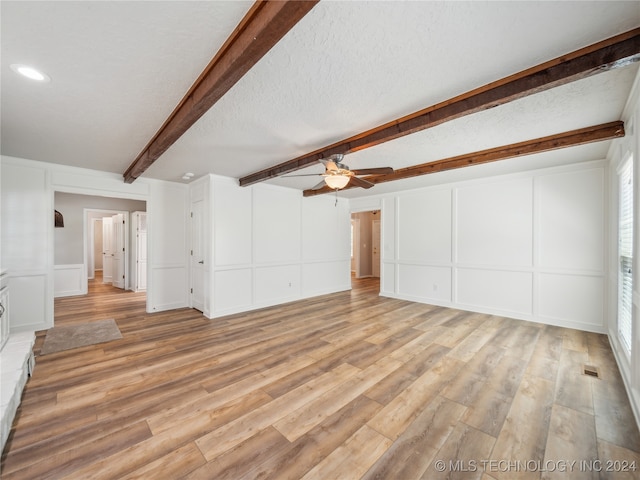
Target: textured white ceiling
(119, 68)
(117, 71)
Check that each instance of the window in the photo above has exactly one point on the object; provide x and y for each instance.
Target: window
(625, 255)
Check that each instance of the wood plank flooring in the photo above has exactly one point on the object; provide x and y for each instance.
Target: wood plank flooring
(349, 385)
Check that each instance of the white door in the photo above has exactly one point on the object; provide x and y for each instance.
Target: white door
(95, 252)
(197, 256)
(107, 250)
(375, 244)
(118, 251)
(356, 246)
(141, 252)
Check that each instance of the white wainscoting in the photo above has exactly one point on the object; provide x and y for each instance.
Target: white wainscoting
(271, 245)
(529, 245)
(320, 278)
(69, 280)
(388, 276)
(233, 290)
(425, 282)
(27, 314)
(501, 291)
(168, 231)
(571, 300)
(169, 290)
(277, 284)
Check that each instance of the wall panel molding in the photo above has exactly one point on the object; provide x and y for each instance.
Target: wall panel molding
(69, 280)
(499, 264)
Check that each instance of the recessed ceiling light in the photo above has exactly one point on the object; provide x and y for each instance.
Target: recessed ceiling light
(30, 72)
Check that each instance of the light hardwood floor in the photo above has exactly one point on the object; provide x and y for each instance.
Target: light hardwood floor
(348, 385)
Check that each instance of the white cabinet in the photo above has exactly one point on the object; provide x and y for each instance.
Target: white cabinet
(16, 363)
(139, 250)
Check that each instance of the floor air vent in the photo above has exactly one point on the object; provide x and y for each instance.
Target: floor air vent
(591, 371)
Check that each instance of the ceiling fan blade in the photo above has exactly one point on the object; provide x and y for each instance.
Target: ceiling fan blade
(329, 164)
(318, 186)
(373, 171)
(359, 182)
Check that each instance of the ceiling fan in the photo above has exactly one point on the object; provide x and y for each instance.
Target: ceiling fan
(337, 175)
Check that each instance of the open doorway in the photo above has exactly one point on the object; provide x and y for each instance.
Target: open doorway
(107, 246)
(88, 251)
(365, 245)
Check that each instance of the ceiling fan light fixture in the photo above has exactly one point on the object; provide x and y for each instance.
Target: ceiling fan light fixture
(337, 181)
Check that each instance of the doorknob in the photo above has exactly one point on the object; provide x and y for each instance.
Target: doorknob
(201, 262)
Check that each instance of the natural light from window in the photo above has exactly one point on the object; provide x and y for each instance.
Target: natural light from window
(625, 255)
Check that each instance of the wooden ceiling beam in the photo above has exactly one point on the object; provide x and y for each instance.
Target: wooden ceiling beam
(573, 138)
(609, 54)
(260, 29)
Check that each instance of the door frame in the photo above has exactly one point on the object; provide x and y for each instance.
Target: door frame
(376, 266)
(88, 236)
(58, 185)
(91, 265)
(193, 271)
(356, 238)
(123, 255)
(134, 220)
(356, 246)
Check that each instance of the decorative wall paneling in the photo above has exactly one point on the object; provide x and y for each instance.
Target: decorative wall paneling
(272, 246)
(27, 194)
(138, 250)
(528, 245)
(27, 243)
(168, 211)
(69, 280)
(629, 363)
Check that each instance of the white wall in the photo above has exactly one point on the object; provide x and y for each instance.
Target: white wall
(167, 280)
(27, 243)
(528, 245)
(68, 241)
(271, 245)
(28, 239)
(620, 148)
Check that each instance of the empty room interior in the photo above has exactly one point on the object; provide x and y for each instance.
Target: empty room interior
(320, 239)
